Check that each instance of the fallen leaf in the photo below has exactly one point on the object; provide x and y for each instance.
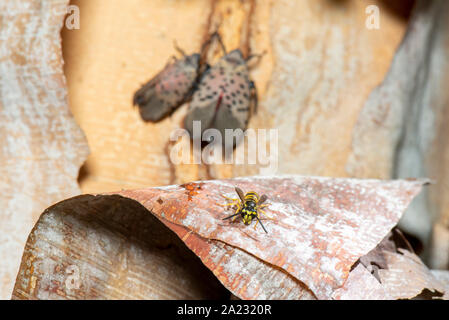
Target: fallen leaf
(320, 228)
(109, 247)
(361, 285)
(407, 276)
(443, 277)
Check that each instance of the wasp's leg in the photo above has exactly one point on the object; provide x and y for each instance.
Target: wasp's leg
(226, 204)
(262, 199)
(265, 214)
(256, 224)
(237, 211)
(230, 199)
(231, 203)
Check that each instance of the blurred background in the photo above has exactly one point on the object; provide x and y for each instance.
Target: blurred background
(355, 88)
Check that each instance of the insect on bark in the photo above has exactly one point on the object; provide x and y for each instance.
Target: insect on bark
(248, 207)
(172, 86)
(225, 99)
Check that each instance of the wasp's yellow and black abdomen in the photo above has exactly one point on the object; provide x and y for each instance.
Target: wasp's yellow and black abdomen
(251, 196)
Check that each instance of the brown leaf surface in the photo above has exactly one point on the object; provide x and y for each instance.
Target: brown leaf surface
(243, 274)
(407, 276)
(42, 148)
(443, 277)
(118, 250)
(390, 272)
(321, 227)
(361, 285)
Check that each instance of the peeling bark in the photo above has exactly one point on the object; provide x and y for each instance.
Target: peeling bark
(42, 148)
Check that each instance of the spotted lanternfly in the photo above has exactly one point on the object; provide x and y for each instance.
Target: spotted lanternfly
(225, 97)
(248, 207)
(171, 87)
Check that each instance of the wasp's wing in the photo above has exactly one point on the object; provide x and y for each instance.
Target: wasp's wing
(240, 193)
(262, 199)
(166, 91)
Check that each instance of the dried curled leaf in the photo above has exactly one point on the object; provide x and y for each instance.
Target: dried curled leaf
(361, 285)
(443, 277)
(243, 274)
(42, 147)
(320, 228)
(109, 247)
(406, 276)
(390, 272)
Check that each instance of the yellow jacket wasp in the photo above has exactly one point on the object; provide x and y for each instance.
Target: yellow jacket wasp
(248, 207)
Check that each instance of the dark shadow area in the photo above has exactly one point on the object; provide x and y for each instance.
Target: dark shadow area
(409, 241)
(426, 294)
(400, 8)
(83, 173)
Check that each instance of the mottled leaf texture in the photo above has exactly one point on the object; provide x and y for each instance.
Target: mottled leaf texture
(361, 285)
(109, 247)
(406, 276)
(42, 148)
(390, 272)
(320, 228)
(443, 277)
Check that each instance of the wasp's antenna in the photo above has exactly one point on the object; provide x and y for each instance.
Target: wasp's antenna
(262, 199)
(261, 224)
(231, 216)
